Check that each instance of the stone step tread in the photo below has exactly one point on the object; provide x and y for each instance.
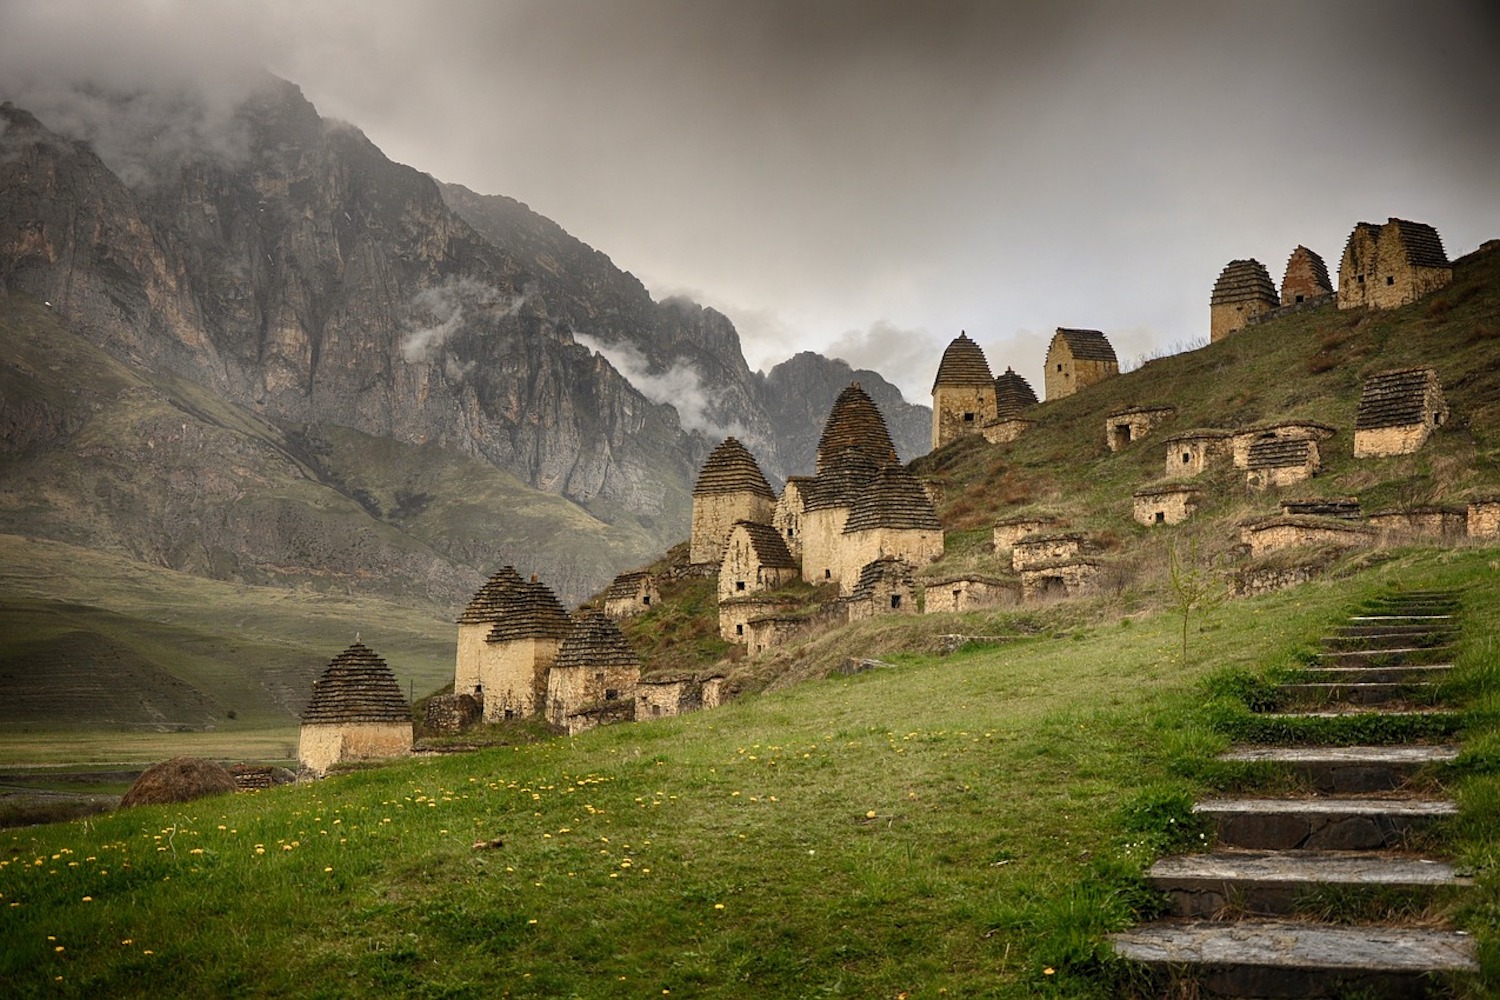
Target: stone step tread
(1409, 670)
(1291, 945)
(1325, 805)
(1308, 868)
(1411, 755)
(1394, 687)
(1391, 651)
(1343, 710)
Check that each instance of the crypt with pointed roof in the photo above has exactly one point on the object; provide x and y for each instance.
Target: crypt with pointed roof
(594, 676)
(963, 393)
(356, 712)
(730, 488)
(508, 638)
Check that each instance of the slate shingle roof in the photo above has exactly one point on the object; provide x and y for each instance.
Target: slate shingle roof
(1421, 243)
(532, 612)
(626, 586)
(595, 641)
(1086, 345)
(1244, 281)
(963, 364)
(489, 602)
(1013, 394)
(1394, 399)
(357, 686)
(1278, 453)
(839, 481)
(892, 499)
(855, 423)
(770, 550)
(1305, 263)
(732, 469)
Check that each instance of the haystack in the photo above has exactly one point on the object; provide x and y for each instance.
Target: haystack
(181, 779)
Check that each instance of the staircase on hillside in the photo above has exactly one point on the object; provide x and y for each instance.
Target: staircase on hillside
(1241, 926)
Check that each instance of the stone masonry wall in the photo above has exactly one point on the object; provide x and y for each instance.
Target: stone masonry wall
(822, 538)
(714, 514)
(968, 595)
(321, 745)
(1192, 456)
(1008, 533)
(1484, 518)
(960, 410)
(570, 689)
(917, 546)
(514, 677)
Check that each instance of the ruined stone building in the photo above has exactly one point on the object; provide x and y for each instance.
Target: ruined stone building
(884, 586)
(593, 679)
(508, 638)
(1012, 529)
(357, 712)
(755, 559)
(963, 393)
(1169, 504)
(1074, 577)
(1014, 397)
(1124, 427)
(1391, 265)
(1483, 517)
(1242, 294)
(1291, 430)
(1038, 550)
(970, 592)
(1077, 359)
(1192, 452)
(1305, 280)
(668, 695)
(730, 488)
(1273, 462)
(1398, 410)
(1447, 523)
(1270, 534)
(630, 594)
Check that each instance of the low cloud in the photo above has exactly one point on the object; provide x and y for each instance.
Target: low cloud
(448, 308)
(906, 358)
(680, 386)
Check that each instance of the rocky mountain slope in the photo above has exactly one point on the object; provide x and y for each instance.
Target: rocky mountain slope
(376, 331)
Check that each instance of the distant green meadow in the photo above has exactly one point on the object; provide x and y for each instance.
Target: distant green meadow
(959, 826)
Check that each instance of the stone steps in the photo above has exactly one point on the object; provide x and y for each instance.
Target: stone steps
(1392, 657)
(1274, 854)
(1419, 673)
(1387, 640)
(1332, 824)
(1254, 958)
(1271, 883)
(1360, 693)
(1349, 770)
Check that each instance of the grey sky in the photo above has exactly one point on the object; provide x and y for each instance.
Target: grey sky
(869, 178)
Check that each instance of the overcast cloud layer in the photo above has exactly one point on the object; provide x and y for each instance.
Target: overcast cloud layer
(868, 178)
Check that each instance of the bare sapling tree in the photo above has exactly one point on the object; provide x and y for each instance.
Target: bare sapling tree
(1196, 586)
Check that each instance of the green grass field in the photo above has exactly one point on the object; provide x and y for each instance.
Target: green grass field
(955, 826)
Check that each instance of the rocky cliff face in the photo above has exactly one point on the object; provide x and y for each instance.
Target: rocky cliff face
(291, 270)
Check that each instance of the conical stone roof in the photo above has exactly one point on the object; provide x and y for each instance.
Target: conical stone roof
(892, 499)
(1244, 281)
(732, 469)
(532, 611)
(490, 601)
(1420, 243)
(855, 423)
(595, 641)
(963, 364)
(871, 574)
(840, 480)
(1013, 394)
(1306, 275)
(357, 686)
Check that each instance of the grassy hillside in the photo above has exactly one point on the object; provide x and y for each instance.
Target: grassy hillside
(967, 825)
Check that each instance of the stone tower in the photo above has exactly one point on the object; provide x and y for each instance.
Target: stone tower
(854, 447)
(730, 488)
(963, 394)
(508, 637)
(1306, 278)
(1077, 359)
(1391, 265)
(1243, 292)
(357, 712)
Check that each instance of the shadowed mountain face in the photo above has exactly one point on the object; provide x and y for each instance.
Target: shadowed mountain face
(297, 360)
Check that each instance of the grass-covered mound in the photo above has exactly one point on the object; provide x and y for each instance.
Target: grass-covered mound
(967, 825)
